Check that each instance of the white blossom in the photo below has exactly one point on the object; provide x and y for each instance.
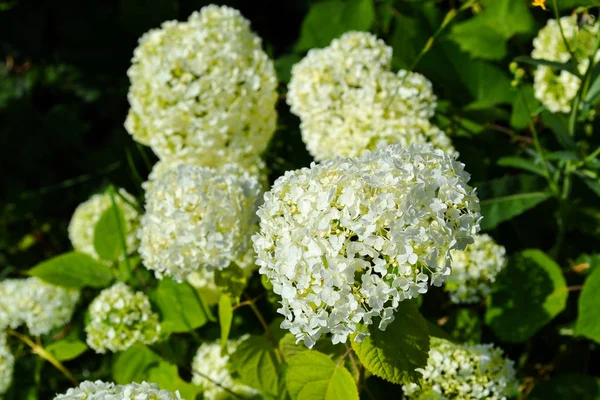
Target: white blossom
(464, 372)
(475, 269)
(343, 242)
(7, 365)
(209, 371)
(203, 89)
(40, 306)
(198, 218)
(119, 319)
(556, 89)
(349, 101)
(87, 215)
(99, 390)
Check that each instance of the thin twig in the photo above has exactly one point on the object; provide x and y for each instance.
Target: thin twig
(268, 332)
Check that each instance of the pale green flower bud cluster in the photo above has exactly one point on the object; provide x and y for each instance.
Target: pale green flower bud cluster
(349, 101)
(209, 370)
(7, 364)
(99, 390)
(40, 306)
(198, 218)
(557, 88)
(345, 241)
(475, 269)
(464, 372)
(87, 215)
(119, 319)
(203, 89)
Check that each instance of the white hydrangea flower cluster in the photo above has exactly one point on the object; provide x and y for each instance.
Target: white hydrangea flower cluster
(198, 218)
(7, 364)
(119, 319)
(556, 89)
(40, 306)
(345, 241)
(349, 101)
(464, 372)
(209, 371)
(203, 89)
(99, 390)
(475, 269)
(87, 215)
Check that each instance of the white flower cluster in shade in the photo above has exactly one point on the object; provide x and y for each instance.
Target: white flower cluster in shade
(556, 89)
(203, 89)
(349, 101)
(99, 390)
(7, 364)
(119, 319)
(343, 242)
(475, 269)
(40, 306)
(87, 215)
(209, 371)
(465, 372)
(198, 218)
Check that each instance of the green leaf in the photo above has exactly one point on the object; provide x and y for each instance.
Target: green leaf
(231, 281)
(180, 305)
(256, 364)
(559, 125)
(528, 293)
(329, 19)
(394, 354)
(225, 318)
(67, 349)
(73, 270)
(312, 376)
(464, 326)
(107, 242)
(476, 38)
(133, 364)
(568, 66)
(166, 376)
(521, 163)
(523, 104)
(592, 182)
(283, 67)
(504, 198)
(588, 320)
(567, 386)
(488, 84)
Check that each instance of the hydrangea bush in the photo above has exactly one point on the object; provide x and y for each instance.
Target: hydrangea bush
(381, 199)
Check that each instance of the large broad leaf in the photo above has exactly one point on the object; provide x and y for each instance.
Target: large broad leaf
(559, 125)
(166, 376)
(588, 320)
(329, 19)
(504, 198)
(180, 305)
(225, 318)
(107, 234)
(133, 365)
(528, 293)
(73, 270)
(256, 364)
(567, 386)
(523, 104)
(394, 354)
(314, 376)
(67, 349)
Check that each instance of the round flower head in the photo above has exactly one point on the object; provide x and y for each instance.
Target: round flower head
(99, 390)
(475, 269)
(119, 319)
(203, 89)
(7, 364)
(464, 372)
(40, 306)
(556, 89)
(209, 371)
(345, 241)
(198, 218)
(349, 102)
(87, 215)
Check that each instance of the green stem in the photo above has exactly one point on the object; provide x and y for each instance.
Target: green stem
(562, 33)
(268, 332)
(111, 193)
(592, 155)
(42, 352)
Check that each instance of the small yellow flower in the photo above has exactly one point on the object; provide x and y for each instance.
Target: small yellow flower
(539, 3)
